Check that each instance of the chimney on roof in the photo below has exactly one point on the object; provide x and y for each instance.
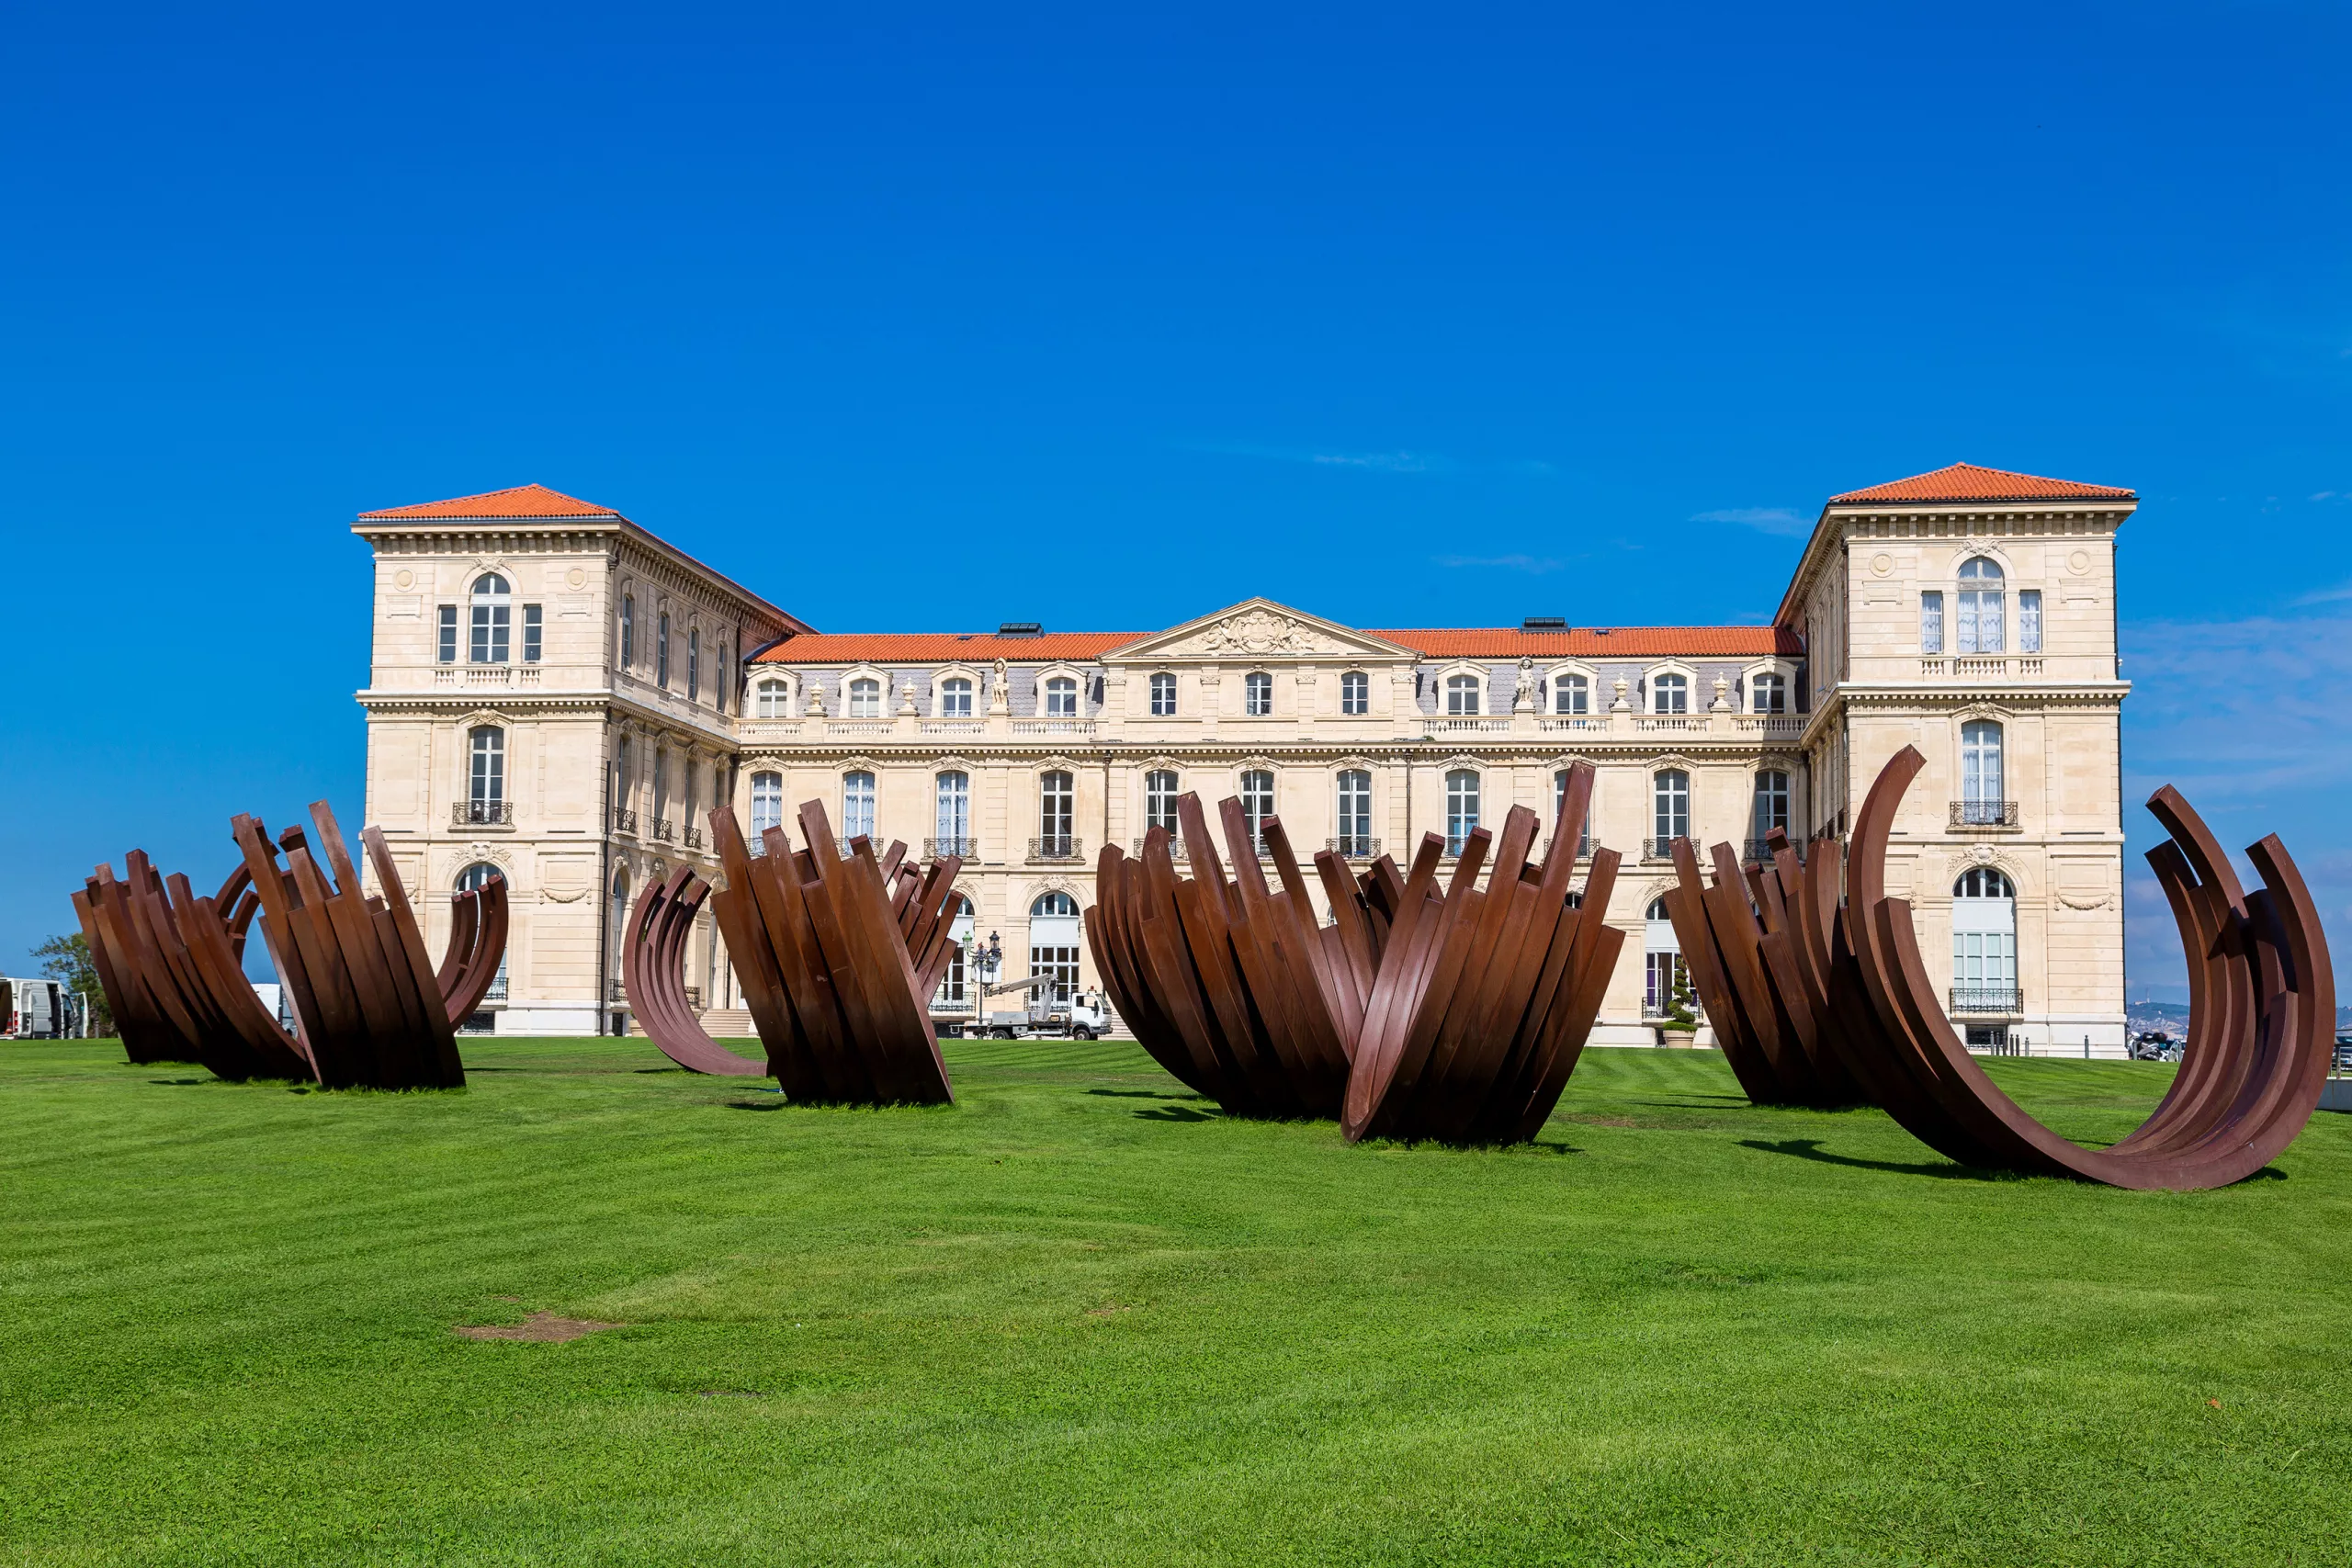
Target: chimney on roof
(1544, 624)
(1020, 628)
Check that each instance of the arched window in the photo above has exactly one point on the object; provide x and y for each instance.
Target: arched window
(1355, 694)
(767, 805)
(1163, 695)
(1982, 791)
(1356, 813)
(1258, 800)
(486, 775)
(1461, 696)
(1983, 942)
(1772, 806)
(1571, 693)
(858, 805)
(774, 699)
(1053, 945)
(951, 815)
(865, 697)
(1980, 606)
(494, 617)
(1662, 968)
(1461, 808)
(662, 650)
(1057, 808)
(693, 664)
(1061, 697)
(628, 631)
(1258, 693)
(475, 877)
(1670, 693)
(1560, 804)
(1769, 692)
(1160, 791)
(955, 697)
(1670, 797)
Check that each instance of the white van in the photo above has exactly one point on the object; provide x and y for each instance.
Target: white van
(35, 1008)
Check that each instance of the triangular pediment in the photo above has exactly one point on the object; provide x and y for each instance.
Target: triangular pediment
(1258, 631)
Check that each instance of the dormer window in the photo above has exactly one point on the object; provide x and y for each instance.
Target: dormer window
(493, 619)
(1669, 693)
(1355, 694)
(1461, 695)
(773, 699)
(955, 697)
(1258, 694)
(866, 698)
(1061, 697)
(1571, 694)
(1769, 692)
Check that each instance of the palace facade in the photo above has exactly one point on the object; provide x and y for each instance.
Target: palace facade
(557, 694)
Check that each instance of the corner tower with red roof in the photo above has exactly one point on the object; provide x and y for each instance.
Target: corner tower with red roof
(562, 696)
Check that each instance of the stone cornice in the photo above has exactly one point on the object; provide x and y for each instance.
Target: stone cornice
(1940, 696)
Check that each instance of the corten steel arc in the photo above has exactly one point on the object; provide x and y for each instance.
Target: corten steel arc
(653, 967)
(173, 968)
(1233, 985)
(370, 1008)
(2262, 1016)
(837, 959)
(1740, 941)
(1483, 999)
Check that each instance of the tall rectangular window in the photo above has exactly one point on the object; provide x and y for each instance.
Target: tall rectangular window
(486, 782)
(628, 631)
(1355, 811)
(1355, 694)
(694, 663)
(1056, 807)
(2029, 620)
(858, 805)
(531, 629)
(1159, 799)
(1931, 622)
(1258, 801)
(1772, 802)
(952, 823)
(1461, 808)
(662, 652)
(1981, 782)
(448, 650)
(1672, 802)
(494, 610)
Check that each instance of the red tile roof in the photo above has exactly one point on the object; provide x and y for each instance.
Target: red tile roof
(523, 501)
(1967, 481)
(941, 647)
(1587, 642)
(1444, 642)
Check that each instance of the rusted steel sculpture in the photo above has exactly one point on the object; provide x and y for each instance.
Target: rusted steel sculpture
(370, 1008)
(1233, 985)
(837, 959)
(1484, 1000)
(2262, 1016)
(1381, 1016)
(1769, 1006)
(173, 968)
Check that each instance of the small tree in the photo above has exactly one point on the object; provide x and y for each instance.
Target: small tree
(1681, 1007)
(67, 959)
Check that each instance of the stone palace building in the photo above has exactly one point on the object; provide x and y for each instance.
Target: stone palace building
(558, 694)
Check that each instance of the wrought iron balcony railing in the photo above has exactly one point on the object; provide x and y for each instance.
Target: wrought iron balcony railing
(1176, 850)
(1354, 846)
(1760, 850)
(691, 837)
(1659, 848)
(1986, 998)
(664, 831)
(1984, 814)
(1056, 846)
(481, 813)
(624, 820)
(969, 848)
(497, 992)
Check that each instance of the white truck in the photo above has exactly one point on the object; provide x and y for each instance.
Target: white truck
(1085, 1016)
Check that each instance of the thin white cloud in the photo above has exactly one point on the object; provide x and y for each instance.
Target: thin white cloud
(1783, 520)
(1502, 563)
(1401, 461)
(1386, 462)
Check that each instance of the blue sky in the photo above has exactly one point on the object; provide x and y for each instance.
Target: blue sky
(914, 317)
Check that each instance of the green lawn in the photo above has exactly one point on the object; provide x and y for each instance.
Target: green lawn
(1081, 1318)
